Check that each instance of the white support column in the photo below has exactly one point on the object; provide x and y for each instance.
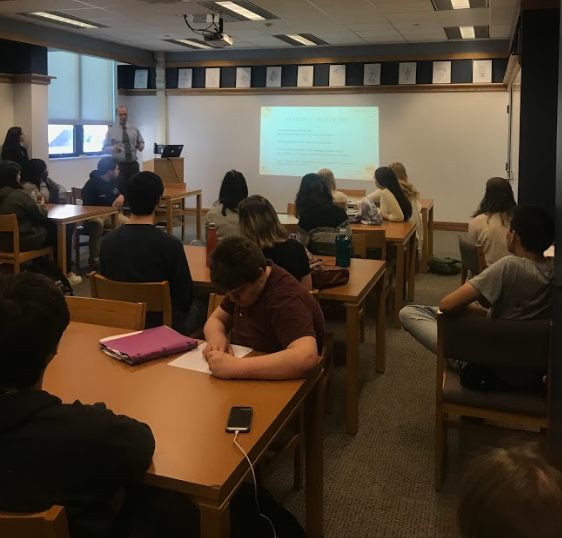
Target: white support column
(161, 102)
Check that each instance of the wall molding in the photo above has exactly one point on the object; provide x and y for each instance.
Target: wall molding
(342, 60)
(513, 68)
(405, 88)
(26, 78)
(451, 226)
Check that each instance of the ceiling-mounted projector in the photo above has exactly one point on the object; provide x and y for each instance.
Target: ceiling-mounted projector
(213, 35)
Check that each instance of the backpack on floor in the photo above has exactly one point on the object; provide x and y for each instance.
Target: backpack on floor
(444, 266)
(48, 268)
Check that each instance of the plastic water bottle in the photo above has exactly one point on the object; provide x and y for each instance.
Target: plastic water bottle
(211, 239)
(343, 249)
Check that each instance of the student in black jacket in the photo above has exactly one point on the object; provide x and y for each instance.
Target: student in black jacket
(102, 189)
(12, 149)
(139, 252)
(75, 455)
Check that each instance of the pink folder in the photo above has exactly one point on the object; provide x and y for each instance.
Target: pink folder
(148, 345)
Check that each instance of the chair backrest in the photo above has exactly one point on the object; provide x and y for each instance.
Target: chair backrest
(291, 208)
(49, 524)
(354, 193)
(69, 197)
(495, 342)
(9, 224)
(214, 301)
(76, 195)
(121, 314)
(472, 255)
(156, 295)
(372, 240)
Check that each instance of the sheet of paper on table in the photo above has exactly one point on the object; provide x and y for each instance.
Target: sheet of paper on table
(194, 360)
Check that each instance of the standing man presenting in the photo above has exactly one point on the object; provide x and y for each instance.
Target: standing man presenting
(122, 141)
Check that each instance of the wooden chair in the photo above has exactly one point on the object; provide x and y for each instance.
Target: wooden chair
(291, 208)
(472, 258)
(214, 302)
(80, 230)
(354, 193)
(49, 524)
(9, 225)
(523, 345)
(109, 313)
(156, 295)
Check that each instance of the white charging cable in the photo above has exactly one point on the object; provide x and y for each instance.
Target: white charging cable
(255, 482)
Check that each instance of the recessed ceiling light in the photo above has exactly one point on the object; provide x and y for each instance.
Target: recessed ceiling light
(240, 10)
(467, 32)
(191, 43)
(63, 19)
(299, 40)
(444, 5)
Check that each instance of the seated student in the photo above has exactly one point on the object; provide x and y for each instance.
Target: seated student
(12, 148)
(328, 177)
(490, 222)
(517, 287)
(37, 183)
(102, 189)
(74, 455)
(266, 309)
(394, 204)
(259, 222)
(224, 214)
(140, 252)
(413, 197)
(512, 492)
(319, 218)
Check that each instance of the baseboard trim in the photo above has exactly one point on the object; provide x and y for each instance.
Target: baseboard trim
(451, 226)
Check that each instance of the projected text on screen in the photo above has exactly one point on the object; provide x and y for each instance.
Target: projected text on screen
(297, 140)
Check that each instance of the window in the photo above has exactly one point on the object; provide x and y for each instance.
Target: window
(81, 103)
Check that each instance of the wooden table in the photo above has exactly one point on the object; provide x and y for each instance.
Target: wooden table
(63, 214)
(427, 220)
(177, 195)
(402, 235)
(365, 278)
(187, 412)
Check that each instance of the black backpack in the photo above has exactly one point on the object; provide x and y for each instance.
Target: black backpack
(46, 267)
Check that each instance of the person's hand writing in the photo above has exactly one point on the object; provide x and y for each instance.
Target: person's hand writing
(216, 344)
(119, 201)
(41, 201)
(223, 365)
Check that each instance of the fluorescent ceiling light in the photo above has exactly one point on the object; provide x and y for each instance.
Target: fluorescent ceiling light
(301, 39)
(242, 11)
(59, 18)
(460, 4)
(190, 43)
(467, 32)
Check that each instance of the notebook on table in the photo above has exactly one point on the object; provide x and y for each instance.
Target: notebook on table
(148, 345)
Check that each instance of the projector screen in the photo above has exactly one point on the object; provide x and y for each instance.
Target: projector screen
(297, 140)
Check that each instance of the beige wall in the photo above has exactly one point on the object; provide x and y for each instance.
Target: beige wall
(6, 109)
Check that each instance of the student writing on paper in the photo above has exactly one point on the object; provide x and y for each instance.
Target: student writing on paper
(267, 309)
(74, 455)
(140, 252)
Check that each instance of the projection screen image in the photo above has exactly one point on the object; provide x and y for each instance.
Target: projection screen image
(297, 140)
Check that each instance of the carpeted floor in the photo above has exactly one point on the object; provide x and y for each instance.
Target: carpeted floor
(380, 483)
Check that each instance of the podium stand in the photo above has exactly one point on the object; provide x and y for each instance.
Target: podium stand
(170, 170)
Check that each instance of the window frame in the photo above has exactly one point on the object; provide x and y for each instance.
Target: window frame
(78, 144)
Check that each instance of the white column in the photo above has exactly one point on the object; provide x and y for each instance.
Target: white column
(161, 102)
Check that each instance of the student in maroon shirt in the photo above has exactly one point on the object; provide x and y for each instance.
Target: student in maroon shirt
(267, 309)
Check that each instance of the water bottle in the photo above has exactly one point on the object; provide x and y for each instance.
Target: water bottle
(211, 239)
(343, 249)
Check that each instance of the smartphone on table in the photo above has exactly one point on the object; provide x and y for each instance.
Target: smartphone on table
(239, 420)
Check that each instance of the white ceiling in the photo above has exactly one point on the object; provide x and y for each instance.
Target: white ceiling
(145, 24)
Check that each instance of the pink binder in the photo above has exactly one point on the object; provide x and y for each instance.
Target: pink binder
(148, 345)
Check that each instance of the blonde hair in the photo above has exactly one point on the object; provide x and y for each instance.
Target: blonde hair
(328, 178)
(259, 222)
(400, 170)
